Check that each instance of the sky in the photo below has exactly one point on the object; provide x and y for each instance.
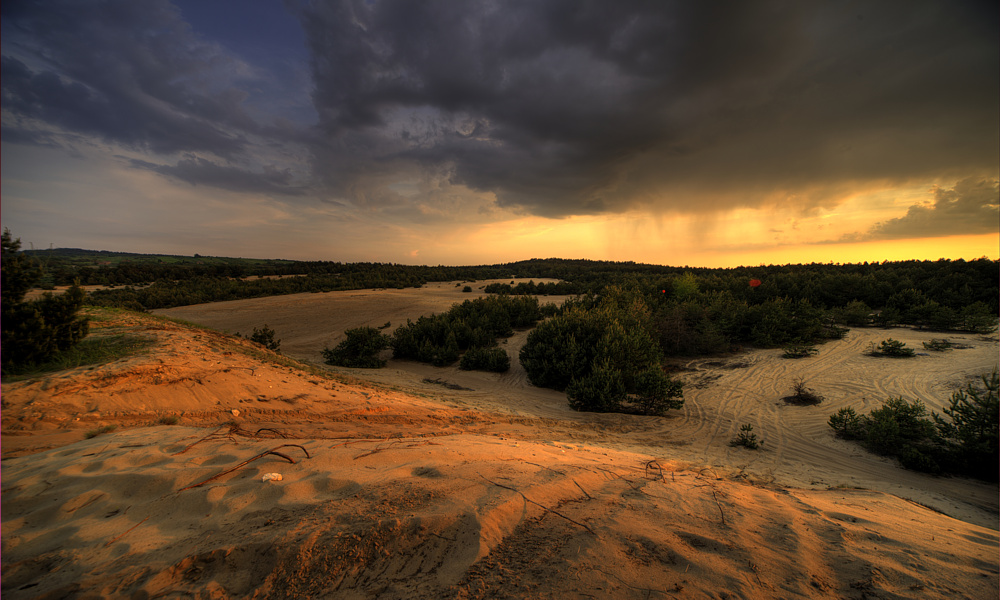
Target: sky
(711, 134)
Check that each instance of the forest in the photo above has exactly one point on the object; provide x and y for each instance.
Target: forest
(943, 294)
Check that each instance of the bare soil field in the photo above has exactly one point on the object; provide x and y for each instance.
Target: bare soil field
(392, 487)
(721, 393)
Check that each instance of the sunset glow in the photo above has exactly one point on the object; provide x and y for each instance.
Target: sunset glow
(661, 134)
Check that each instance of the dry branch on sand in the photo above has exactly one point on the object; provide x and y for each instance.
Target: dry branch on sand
(273, 451)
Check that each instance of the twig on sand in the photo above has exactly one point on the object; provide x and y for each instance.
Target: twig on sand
(231, 431)
(273, 451)
(589, 497)
(392, 443)
(543, 507)
(659, 470)
(274, 431)
(212, 436)
(632, 485)
(121, 535)
(719, 504)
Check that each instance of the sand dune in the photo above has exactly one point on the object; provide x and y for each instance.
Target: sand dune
(406, 489)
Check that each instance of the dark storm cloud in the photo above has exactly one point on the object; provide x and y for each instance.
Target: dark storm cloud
(568, 107)
(125, 72)
(971, 207)
(200, 171)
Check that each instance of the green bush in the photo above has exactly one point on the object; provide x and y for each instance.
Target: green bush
(603, 354)
(847, 424)
(746, 438)
(359, 350)
(485, 359)
(978, 318)
(467, 289)
(891, 348)
(972, 430)
(655, 393)
(265, 337)
(440, 339)
(601, 390)
(37, 331)
(897, 424)
(966, 443)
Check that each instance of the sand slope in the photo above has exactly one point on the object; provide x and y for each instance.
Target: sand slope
(462, 516)
(427, 492)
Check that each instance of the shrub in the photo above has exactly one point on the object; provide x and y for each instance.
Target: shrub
(601, 390)
(847, 424)
(746, 438)
(603, 354)
(898, 428)
(802, 395)
(359, 350)
(891, 348)
(440, 339)
(965, 444)
(485, 359)
(655, 392)
(265, 337)
(972, 431)
(897, 424)
(37, 331)
(937, 345)
(978, 318)
(467, 289)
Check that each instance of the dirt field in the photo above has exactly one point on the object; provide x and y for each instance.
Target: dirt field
(405, 489)
(720, 394)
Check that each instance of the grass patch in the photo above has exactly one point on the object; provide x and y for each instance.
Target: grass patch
(799, 351)
(92, 350)
(100, 430)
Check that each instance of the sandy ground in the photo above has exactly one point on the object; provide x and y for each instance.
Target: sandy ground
(403, 489)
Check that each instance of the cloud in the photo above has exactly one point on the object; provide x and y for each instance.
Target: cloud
(971, 207)
(560, 108)
(132, 74)
(439, 110)
(199, 171)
